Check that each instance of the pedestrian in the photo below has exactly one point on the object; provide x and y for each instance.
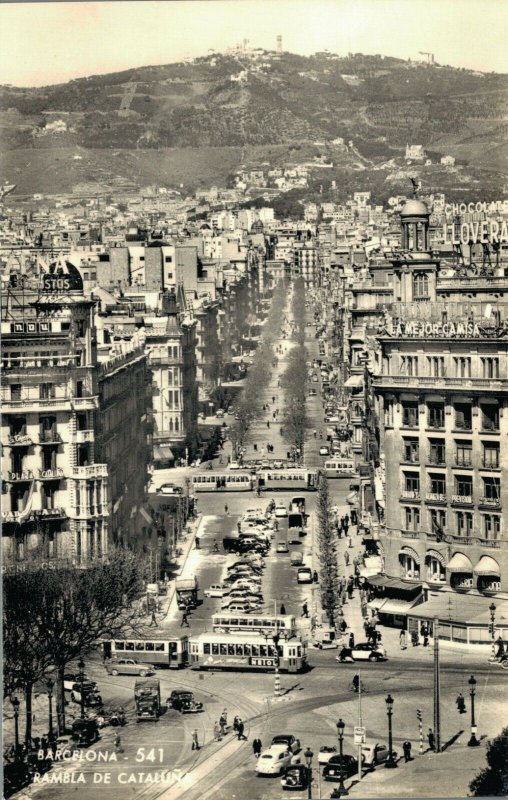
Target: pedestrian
(273, 399)
(315, 576)
(197, 542)
(351, 642)
(461, 703)
(406, 749)
(217, 732)
(226, 508)
(185, 620)
(153, 621)
(403, 639)
(267, 423)
(195, 740)
(241, 728)
(235, 724)
(305, 610)
(431, 739)
(346, 558)
(343, 625)
(257, 746)
(222, 723)
(255, 447)
(415, 639)
(283, 609)
(118, 743)
(425, 634)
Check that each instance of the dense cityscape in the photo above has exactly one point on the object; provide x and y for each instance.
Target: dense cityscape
(253, 488)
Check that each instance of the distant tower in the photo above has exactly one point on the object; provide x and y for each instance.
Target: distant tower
(279, 43)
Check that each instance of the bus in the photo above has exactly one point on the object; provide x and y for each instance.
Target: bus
(223, 482)
(297, 478)
(161, 651)
(283, 624)
(250, 651)
(340, 468)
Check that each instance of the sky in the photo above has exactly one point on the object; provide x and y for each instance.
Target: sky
(45, 43)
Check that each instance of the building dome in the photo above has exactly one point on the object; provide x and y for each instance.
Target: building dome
(414, 208)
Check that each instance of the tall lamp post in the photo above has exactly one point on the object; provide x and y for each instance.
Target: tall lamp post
(308, 760)
(276, 680)
(390, 762)
(15, 708)
(473, 741)
(341, 790)
(49, 686)
(81, 667)
(492, 609)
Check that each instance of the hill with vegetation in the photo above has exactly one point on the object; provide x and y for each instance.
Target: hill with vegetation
(247, 104)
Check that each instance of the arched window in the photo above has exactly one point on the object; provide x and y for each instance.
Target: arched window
(436, 570)
(410, 565)
(420, 286)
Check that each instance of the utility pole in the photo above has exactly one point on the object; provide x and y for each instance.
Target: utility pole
(360, 724)
(437, 698)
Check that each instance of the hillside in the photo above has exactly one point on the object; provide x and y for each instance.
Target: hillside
(377, 103)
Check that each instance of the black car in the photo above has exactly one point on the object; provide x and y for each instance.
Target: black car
(85, 731)
(183, 702)
(337, 765)
(17, 775)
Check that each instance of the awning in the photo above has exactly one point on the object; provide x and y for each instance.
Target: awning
(163, 452)
(459, 563)
(379, 493)
(354, 382)
(392, 606)
(487, 566)
(437, 555)
(410, 551)
(384, 582)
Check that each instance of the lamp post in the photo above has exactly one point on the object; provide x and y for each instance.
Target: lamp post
(341, 790)
(492, 609)
(308, 760)
(276, 681)
(390, 762)
(15, 707)
(81, 667)
(49, 686)
(473, 741)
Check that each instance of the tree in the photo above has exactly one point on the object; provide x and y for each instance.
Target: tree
(493, 780)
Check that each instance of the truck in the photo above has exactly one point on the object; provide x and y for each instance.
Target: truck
(186, 592)
(296, 558)
(296, 526)
(147, 698)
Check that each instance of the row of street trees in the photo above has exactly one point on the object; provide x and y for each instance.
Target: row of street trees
(295, 377)
(329, 580)
(53, 616)
(249, 405)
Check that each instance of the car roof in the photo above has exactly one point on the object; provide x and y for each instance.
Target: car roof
(276, 748)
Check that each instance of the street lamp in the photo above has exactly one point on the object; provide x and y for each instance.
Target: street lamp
(390, 762)
(276, 682)
(341, 790)
(49, 686)
(81, 667)
(492, 609)
(473, 741)
(15, 707)
(308, 759)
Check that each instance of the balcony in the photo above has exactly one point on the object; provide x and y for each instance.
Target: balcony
(17, 477)
(410, 494)
(51, 474)
(494, 543)
(462, 499)
(165, 361)
(463, 463)
(89, 512)
(410, 534)
(49, 437)
(490, 502)
(490, 463)
(457, 537)
(463, 425)
(436, 424)
(430, 383)
(85, 403)
(19, 440)
(435, 497)
(90, 471)
(84, 436)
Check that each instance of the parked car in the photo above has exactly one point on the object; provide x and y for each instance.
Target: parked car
(281, 510)
(295, 777)
(216, 590)
(234, 464)
(324, 450)
(325, 754)
(275, 760)
(287, 739)
(363, 651)
(70, 678)
(345, 764)
(282, 547)
(128, 666)
(219, 413)
(304, 575)
(374, 754)
(85, 731)
(170, 488)
(90, 694)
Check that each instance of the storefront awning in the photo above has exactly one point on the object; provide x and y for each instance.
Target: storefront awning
(437, 555)
(163, 452)
(488, 567)
(392, 606)
(354, 382)
(384, 582)
(459, 563)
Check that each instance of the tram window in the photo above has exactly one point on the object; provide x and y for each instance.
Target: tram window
(215, 649)
(238, 650)
(223, 649)
(159, 647)
(149, 647)
(231, 649)
(255, 650)
(246, 649)
(233, 622)
(298, 651)
(206, 648)
(129, 645)
(263, 650)
(271, 650)
(140, 646)
(119, 645)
